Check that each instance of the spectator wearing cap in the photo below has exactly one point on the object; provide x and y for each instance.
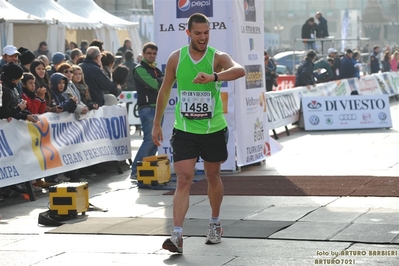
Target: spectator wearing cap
(42, 50)
(11, 104)
(10, 54)
(333, 53)
(26, 58)
(57, 59)
(347, 68)
(304, 75)
(374, 60)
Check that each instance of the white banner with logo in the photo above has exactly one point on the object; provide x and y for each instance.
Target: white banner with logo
(283, 107)
(253, 141)
(59, 143)
(129, 100)
(377, 84)
(346, 112)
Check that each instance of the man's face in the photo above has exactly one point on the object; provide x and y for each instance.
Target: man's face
(150, 55)
(11, 58)
(43, 48)
(311, 23)
(266, 57)
(199, 35)
(318, 16)
(377, 50)
(128, 44)
(350, 55)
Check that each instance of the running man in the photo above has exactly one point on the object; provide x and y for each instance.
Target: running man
(200, 128)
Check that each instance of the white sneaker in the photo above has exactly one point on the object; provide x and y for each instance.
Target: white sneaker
(174, 243)
(215, 233)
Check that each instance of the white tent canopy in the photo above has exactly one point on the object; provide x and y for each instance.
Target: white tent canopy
(10, 15)
(89, 9)
(50, 10)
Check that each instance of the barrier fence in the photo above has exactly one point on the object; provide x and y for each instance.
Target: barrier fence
(60, 143)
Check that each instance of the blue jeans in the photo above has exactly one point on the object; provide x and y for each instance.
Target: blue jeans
(310, 46)
(147, 148)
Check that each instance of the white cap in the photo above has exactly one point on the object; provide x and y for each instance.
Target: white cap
(10, 50)
(332, 50)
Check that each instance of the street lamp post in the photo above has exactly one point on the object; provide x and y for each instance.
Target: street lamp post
(279, 28)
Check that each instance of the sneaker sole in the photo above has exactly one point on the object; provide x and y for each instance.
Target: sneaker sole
(210, 242)
(168, 245)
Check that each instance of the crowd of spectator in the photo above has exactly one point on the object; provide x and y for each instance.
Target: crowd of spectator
(75, 80)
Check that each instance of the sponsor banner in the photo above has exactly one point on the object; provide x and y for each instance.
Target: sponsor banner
(129, 100)
(253, 141)
(285, 82)
(283, 107)
(346, 112)
(59, 143)
(368, 85)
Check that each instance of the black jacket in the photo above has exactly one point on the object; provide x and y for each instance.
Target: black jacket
(304, 75)
(308, 30)
(147, 95)
(10, 101)
(322, 29)
(374, 63)
(97, 81)
(131, 86)
(347, 68)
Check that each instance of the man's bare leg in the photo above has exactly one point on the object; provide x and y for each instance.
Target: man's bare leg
(185, 175)
(215, 186)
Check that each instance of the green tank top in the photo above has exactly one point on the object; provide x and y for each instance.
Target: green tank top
(199, 109)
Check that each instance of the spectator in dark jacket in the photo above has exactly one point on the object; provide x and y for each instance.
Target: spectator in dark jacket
(127, 46)
(59, 84)
(386, 62)
(130, 86)
(347, 69)
(12, 106)
(304, 74)
(309, 30)
(322, 28)
(374, 60)
(337, 62)
(95, 78)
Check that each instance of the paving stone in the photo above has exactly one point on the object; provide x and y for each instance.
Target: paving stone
(281, 213)
(334, 214)
(369, 233)
(310, 231)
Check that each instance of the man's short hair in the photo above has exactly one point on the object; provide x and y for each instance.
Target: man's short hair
(128, 55)
(330, 59)
(197, 18)
(97, 43)
(93, 52)
(76, 52)
(311, 19)
(150, 45)
(311, 54)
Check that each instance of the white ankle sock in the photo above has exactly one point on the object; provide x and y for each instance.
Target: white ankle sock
(214, 220)
(178, 229)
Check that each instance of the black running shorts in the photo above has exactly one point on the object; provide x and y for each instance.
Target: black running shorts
(210, 147)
